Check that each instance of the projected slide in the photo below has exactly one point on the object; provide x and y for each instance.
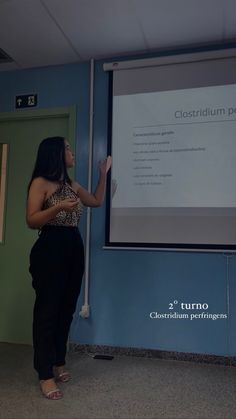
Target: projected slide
(175, 149)
(174, 163)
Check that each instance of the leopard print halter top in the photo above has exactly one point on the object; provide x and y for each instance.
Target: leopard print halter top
(64, 218)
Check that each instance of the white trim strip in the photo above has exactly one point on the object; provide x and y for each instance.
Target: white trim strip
(171, 59)
(3, 177)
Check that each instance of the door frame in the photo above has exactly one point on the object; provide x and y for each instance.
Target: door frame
(31, 114)
(69, 111)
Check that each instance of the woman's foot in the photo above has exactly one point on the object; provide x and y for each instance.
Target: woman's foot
(62, 375)
(50, 389)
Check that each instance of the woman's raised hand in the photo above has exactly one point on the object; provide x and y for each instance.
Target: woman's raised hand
(105, 165)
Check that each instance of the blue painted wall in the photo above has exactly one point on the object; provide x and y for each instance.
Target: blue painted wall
(125, 286)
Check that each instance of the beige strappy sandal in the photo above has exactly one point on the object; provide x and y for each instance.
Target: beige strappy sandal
(63, 377)
(55, 394)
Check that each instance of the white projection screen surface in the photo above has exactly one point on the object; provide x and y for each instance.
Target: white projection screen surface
(173, 145)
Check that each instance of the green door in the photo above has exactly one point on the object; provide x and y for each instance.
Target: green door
(22, 132)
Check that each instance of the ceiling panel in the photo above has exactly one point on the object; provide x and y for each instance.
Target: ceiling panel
(168, 23)
(99, 28)
(48, 32)
(30, 36)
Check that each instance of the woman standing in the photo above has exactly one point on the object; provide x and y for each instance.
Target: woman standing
(54, 207)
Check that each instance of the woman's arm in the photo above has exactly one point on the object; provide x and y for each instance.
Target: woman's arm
(35, 216)
(95, 199)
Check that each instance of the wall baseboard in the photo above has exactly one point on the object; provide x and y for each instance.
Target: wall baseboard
(153, 353)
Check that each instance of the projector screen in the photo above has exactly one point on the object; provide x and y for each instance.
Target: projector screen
(173, 144)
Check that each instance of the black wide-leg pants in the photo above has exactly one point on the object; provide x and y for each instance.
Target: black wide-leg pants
(57, 267)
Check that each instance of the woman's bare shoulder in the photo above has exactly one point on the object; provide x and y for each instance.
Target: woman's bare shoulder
(75, 186)
(40, 182)
(42, 185)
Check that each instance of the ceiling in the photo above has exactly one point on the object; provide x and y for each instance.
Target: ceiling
(37, 33)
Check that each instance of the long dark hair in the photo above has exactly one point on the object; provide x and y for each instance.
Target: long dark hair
(50, 161)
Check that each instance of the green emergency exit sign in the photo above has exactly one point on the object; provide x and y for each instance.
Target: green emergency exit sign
(26, 101)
